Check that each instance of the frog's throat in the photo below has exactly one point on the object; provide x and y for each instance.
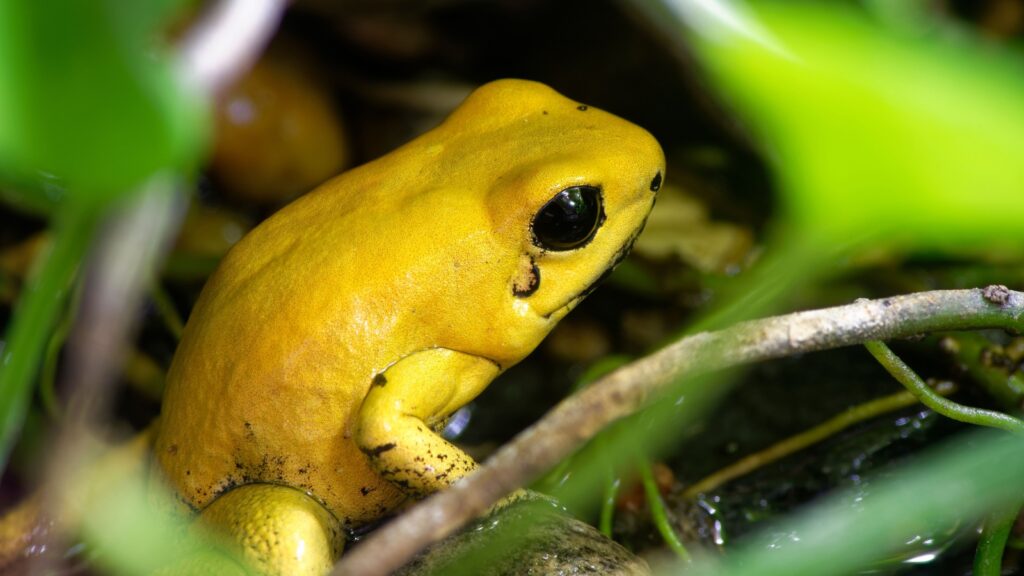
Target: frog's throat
(620, 255)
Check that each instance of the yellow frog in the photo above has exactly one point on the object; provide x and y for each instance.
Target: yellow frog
(336, 338)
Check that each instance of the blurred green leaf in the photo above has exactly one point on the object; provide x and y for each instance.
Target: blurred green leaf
(90, 96)
(874, 134)
(91, 109)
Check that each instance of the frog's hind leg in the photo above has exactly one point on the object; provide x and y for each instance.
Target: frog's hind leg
(276, 530)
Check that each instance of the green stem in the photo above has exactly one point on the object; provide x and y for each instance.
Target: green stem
(658, 513)
(909, 379)
(34, 317)
(988, 558)
(611, 492)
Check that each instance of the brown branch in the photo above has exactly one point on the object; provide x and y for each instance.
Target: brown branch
(576, 419)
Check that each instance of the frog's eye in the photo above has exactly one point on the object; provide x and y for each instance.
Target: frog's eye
(569, 220)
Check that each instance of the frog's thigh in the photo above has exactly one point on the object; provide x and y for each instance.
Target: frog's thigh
(410, 398)
(276, 529)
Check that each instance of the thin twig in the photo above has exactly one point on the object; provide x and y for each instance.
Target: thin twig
(227, 41)
(576, 419)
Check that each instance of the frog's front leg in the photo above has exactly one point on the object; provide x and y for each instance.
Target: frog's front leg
(413, 396)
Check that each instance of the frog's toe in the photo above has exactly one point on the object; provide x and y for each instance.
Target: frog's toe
(276, 529)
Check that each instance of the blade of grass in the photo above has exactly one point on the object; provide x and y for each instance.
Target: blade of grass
(34, 318)
(798, 442)
(658, 513)
(988, 558)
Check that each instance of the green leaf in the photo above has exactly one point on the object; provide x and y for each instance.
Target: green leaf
(874, 134)
(90, 97)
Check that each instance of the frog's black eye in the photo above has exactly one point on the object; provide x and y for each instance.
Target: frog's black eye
(569, 220)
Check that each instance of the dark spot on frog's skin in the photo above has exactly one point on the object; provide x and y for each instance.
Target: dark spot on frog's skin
(188, 472)
(379, 380)
(544, 112)
(656, 183)
(172, 449)
(378, 450)
(532, 282)
(365, 490)
(582, 107)
(185, 502)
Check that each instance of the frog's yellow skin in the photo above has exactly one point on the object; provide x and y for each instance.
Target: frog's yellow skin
(336, 337)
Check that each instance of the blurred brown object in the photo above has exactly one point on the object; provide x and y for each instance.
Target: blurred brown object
(1002, 18)
(278, 131)
(210, 231)
(16, 260)
(680, 225)
(578, 340)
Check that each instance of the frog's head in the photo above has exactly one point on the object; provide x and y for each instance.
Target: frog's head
(576, 196)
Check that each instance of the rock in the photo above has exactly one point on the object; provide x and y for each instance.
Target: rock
(530, 536)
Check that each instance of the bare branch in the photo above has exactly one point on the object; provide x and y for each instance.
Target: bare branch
(226, 43)
(576, 419)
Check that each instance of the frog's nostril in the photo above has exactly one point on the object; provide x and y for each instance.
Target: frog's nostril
(656, 183)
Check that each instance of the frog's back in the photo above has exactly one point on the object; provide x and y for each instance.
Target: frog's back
(290, 331)
(266, 379)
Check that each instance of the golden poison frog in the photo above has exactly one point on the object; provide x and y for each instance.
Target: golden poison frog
(335, 339)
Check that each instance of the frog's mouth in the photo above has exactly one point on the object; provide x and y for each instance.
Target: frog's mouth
(620, 255)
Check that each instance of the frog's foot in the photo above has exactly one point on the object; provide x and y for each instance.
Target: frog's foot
(276, 530)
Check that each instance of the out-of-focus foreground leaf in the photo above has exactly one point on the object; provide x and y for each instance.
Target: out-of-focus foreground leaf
(873, 134)
(874, 137)
(91, 106)
(90, 97)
